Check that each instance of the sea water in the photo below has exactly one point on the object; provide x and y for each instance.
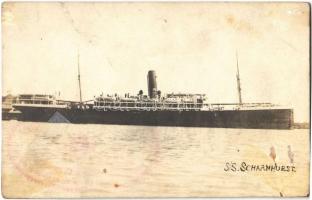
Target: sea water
(87, 160)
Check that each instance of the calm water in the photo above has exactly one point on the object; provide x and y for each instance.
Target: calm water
(69, 160)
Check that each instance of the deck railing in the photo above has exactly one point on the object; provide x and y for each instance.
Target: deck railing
(37, 101)
(153, 106)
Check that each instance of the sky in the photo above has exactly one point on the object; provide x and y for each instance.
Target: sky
(191, 46)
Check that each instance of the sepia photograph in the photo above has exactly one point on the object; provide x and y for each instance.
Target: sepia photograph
(155, 99)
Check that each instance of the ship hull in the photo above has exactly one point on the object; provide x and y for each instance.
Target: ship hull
(258, 119)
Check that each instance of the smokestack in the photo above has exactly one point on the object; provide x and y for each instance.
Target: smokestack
(151, 84)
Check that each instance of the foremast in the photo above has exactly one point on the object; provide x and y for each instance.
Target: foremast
(79, 82)
(238, 82)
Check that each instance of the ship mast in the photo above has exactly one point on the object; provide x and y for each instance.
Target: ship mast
(238, 82)
(80, 97)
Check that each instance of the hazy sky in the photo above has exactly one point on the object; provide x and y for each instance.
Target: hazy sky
(190, 45)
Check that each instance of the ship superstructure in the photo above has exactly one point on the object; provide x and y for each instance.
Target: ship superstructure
(152, 102)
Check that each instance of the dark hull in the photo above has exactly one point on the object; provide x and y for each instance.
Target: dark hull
(262, 119)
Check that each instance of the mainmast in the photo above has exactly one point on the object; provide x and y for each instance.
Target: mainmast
(80, 97)
(238, 82)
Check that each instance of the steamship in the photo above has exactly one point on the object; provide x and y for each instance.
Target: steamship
(154, 109)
